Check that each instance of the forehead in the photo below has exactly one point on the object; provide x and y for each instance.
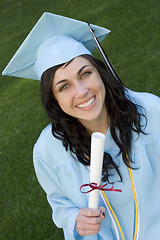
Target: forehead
(74, 65)
(77, 61)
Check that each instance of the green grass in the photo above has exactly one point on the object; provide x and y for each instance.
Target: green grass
(133, 48)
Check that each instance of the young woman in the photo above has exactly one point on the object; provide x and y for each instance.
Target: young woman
(81, 96)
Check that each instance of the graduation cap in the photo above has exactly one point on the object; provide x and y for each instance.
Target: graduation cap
(53, 40)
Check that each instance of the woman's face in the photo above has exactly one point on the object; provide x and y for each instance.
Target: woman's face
(79, 90)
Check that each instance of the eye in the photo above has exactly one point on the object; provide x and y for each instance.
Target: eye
(64, 87)
(85, 74)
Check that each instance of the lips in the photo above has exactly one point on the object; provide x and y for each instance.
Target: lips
(86, 104)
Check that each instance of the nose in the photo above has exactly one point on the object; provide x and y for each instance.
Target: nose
(81, 91)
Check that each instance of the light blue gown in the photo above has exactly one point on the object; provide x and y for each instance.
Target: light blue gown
(61, 177)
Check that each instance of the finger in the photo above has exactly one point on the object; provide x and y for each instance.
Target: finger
(88, 220)
(87, 226)
(89, 212)
(87, 229)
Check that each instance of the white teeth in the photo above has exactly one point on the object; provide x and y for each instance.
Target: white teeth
(86, 104)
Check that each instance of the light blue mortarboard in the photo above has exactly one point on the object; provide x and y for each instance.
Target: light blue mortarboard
(53, 40)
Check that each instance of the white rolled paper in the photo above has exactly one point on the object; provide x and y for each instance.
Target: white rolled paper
(96, 163)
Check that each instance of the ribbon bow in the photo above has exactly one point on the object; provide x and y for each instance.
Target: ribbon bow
(94, 186)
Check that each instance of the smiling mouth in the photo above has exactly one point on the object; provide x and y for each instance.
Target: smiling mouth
(86, 104)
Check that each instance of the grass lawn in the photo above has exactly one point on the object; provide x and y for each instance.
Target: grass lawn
(133, 48)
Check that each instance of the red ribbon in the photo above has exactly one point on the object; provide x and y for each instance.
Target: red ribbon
(94, 186)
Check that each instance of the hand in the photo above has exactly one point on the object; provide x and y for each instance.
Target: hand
(88, 221)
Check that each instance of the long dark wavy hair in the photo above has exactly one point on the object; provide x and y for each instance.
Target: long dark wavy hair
(123, 114)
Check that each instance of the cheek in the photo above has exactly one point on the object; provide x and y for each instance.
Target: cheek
(64, 103)
(101, 88)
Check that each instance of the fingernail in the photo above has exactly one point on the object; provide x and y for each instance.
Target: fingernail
(103, 214)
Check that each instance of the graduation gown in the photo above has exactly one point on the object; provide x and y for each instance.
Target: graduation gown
(61, 176)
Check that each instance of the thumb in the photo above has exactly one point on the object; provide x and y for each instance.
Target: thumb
(102, 212)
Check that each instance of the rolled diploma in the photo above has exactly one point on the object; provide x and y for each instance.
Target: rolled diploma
(96, 163)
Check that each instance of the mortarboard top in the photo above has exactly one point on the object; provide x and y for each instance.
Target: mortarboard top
(53, 40)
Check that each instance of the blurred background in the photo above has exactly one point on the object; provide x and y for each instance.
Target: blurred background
(134, 50)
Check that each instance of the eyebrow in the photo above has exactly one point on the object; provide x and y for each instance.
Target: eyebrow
(61, 81)
(81, 69)
(78, 73)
